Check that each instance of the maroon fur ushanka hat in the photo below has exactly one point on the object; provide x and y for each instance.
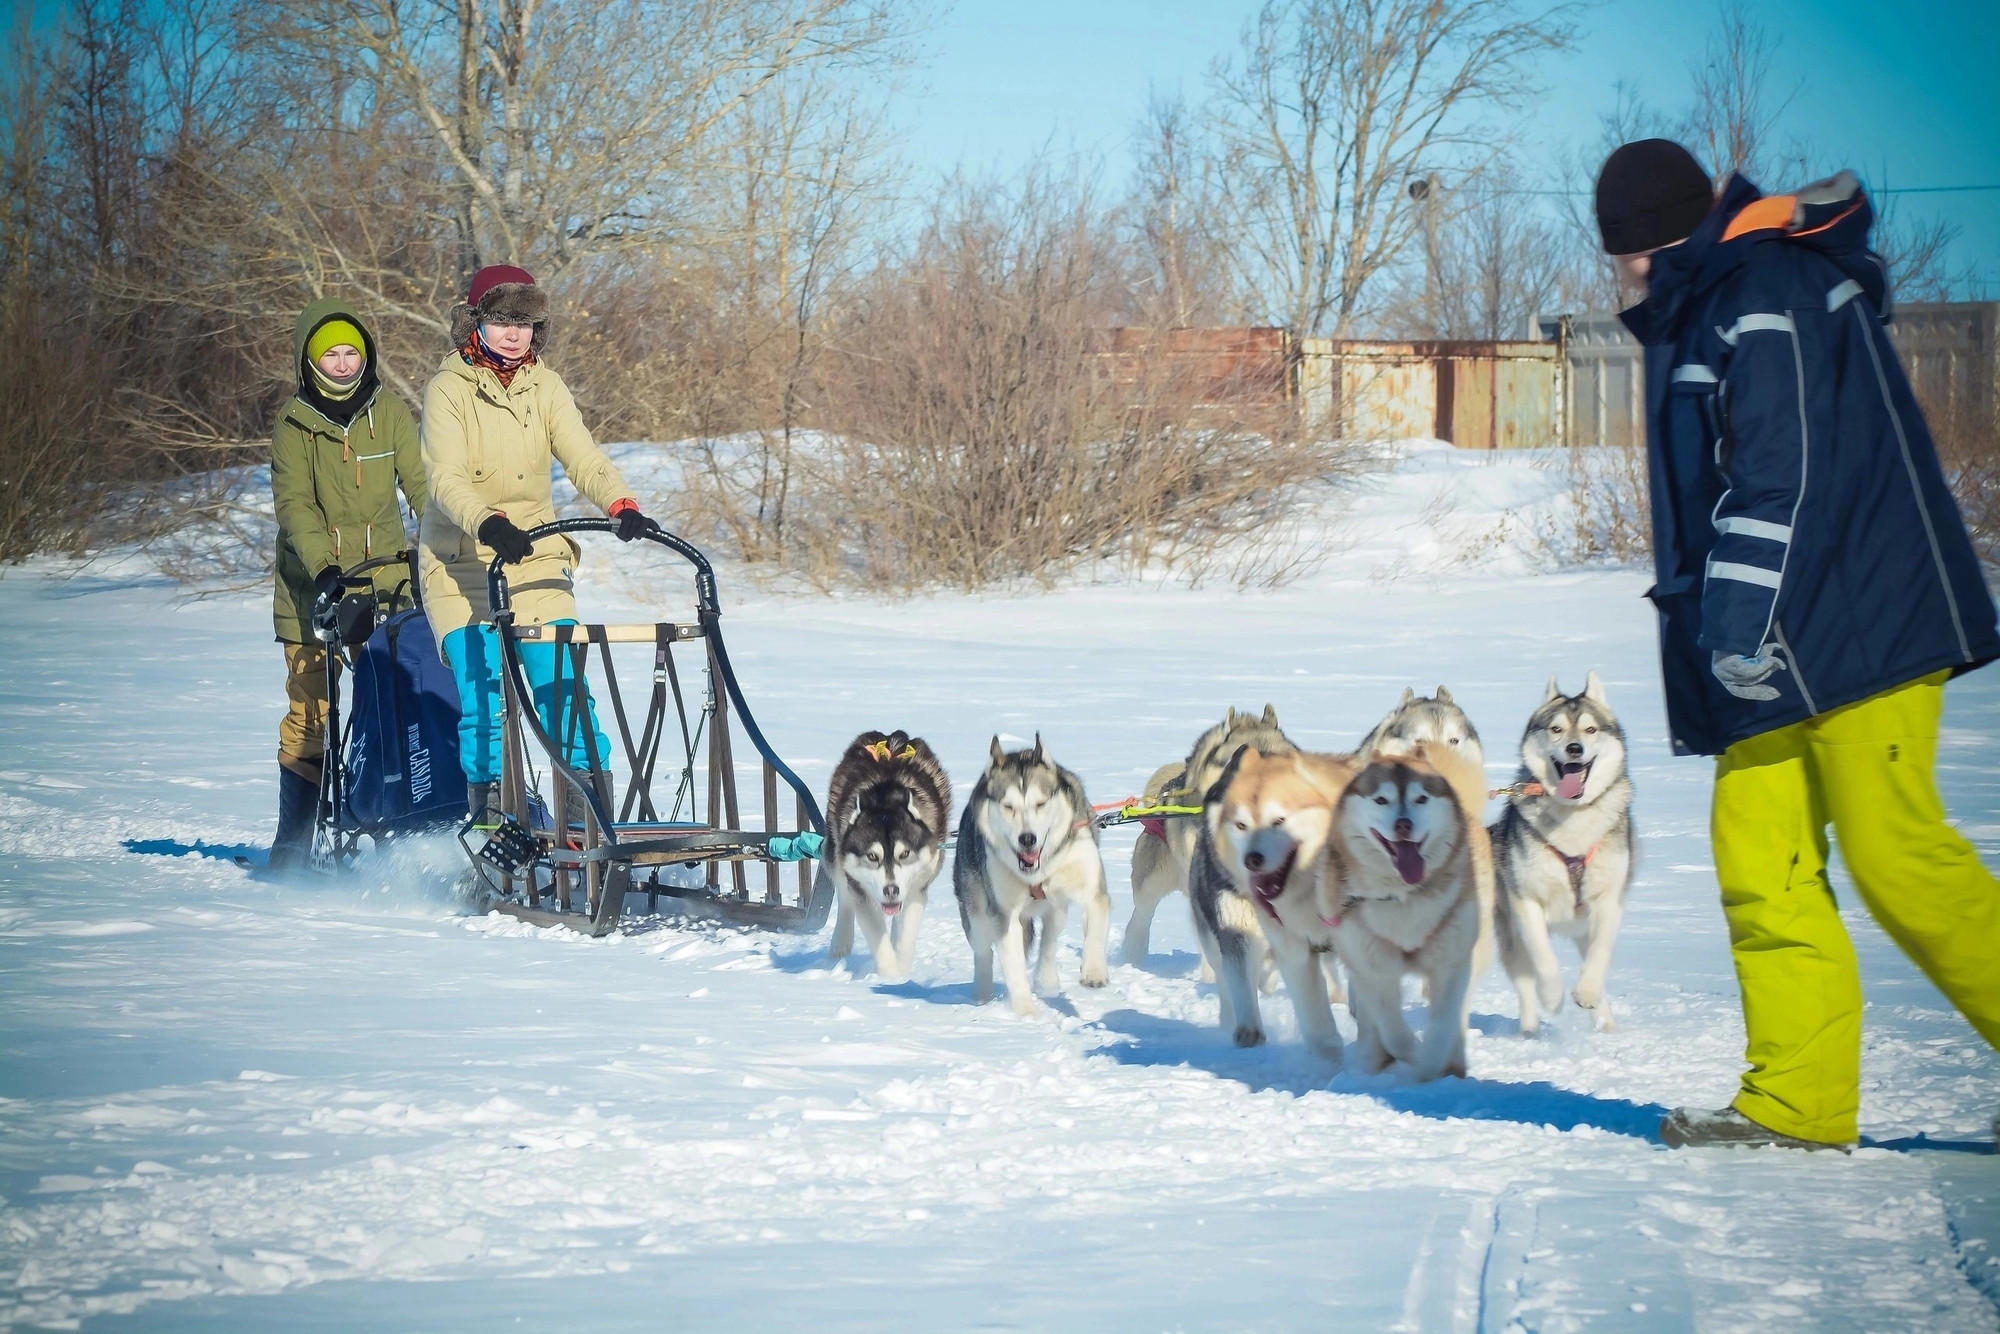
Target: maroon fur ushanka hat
(501, 294)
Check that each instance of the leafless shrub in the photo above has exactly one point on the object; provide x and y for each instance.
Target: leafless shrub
(978, 424)
(53, 382)
(1968, 444)
(1602, 517)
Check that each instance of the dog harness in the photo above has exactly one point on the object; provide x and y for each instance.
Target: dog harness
(1353, 901)
(1576, 866)
(1037, 890)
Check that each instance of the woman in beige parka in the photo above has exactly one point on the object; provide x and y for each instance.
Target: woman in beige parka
(494, 418)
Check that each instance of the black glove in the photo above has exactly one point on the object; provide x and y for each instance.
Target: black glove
(326, 586)
(508, 542)
(632, 525)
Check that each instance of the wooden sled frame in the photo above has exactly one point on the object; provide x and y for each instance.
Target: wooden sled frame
(589, 852)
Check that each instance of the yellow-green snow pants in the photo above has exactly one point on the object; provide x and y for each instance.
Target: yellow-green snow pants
(1868, 769)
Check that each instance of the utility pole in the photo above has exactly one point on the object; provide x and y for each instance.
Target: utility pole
(1423, 192)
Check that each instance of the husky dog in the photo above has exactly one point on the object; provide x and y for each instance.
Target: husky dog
(1262, 837)
(1165, 848)
(1400, 891)
(1439, 720)
(886, 808)
(1565, 852)
(1027, 850)
(1436, 718)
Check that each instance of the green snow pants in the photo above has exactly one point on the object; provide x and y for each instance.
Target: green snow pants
(1868, 770)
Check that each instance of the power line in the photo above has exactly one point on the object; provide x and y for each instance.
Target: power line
(1884, 190)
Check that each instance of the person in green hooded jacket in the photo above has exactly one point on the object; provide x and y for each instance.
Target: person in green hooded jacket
(341, 447)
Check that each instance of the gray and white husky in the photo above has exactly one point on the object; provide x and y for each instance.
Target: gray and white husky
(1027, 852)
(886, 809)
(1564, 852)
(1161, 857)
(1434, 718)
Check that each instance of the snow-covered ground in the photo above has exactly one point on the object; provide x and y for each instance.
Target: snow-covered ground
(229, 1103)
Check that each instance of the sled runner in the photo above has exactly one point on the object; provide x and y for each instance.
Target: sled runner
(568, 839)
(390, 764)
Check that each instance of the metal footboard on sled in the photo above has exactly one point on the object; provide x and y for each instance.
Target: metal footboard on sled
(572, 854)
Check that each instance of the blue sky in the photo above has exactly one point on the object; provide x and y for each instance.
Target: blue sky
(1907, 93)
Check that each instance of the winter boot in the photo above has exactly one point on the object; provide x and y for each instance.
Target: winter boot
(298, 808)
(1726, 1128)
(478, 796)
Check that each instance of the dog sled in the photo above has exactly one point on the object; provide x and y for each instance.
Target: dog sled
(390, 759)
(568, 841)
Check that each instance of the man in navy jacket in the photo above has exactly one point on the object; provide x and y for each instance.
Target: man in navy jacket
(1816, 588)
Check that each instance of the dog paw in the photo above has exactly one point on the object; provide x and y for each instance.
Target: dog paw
(1096, 977)
(1588, 997)
(1371, 1059)
(1330, 1050)
(1601, 1020)
(1550, 994)
(1248, 1035)
(1531, 1026)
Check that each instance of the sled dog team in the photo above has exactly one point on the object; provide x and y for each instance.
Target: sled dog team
(1376, 860)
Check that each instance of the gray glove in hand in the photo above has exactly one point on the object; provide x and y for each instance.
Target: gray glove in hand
(1745, 677)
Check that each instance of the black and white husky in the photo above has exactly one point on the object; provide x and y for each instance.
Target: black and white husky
(1564, 852)
(1434, 718)
(886, 809)
(1027, 851)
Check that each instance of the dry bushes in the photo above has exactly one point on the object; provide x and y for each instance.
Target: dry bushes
(1968, 443)
(974, 427)
(1604, 517)
(52, 385)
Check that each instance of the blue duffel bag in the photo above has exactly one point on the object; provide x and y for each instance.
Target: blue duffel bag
(402, 733)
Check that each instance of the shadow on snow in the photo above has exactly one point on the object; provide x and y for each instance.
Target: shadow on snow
(1158, 1041)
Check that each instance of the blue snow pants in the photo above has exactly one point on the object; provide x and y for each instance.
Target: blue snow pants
(474, 654)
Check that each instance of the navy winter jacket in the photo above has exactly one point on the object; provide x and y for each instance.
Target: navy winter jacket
(1798, 504)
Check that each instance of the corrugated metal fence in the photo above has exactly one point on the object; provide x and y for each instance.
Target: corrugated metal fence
(1576, 380)
(1477, 395)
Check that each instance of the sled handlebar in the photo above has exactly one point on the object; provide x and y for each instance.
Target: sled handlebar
(706, 600)
(708, 606)
(361, 576)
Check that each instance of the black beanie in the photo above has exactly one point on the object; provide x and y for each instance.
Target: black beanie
(1651, 193)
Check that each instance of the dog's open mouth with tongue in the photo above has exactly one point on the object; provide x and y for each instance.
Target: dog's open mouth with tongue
(1407, 854)
(1030, 860)
(1570, 778)
(1268, 882)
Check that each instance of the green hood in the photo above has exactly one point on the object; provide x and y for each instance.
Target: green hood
(318, 313)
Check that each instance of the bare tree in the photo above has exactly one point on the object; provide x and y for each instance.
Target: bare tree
(1493, 261)
(569, 127)
(1175, 211)
(1334, 106)
(1733, 112)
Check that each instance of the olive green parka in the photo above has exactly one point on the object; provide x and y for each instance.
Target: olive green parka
(335, 486)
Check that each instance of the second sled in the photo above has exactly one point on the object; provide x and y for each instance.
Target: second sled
(574, 834)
